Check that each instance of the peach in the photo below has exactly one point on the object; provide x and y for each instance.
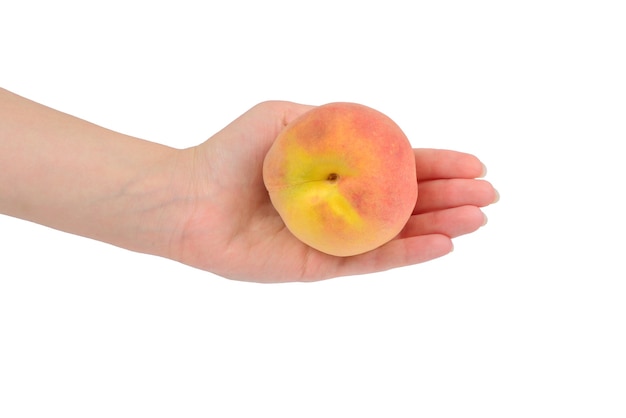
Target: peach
(342, 178)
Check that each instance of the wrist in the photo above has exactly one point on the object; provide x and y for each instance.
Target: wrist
(147, 212)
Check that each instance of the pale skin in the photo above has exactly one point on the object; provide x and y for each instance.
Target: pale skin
(206, 206)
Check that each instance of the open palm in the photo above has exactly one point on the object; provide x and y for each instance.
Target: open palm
(232, 229)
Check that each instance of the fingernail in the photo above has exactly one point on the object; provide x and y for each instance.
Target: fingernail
(484, 172)
(497, 198)
(485, 220)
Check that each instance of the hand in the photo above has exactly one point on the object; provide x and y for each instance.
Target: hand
(207, 206)
(231, 228)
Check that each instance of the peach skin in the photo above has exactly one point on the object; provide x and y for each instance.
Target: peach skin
(342, 177)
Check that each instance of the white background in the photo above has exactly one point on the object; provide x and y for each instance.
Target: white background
(526, 318)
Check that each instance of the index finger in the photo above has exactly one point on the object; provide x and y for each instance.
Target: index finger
(432, 164)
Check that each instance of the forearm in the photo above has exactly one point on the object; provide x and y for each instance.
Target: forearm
(74, 176)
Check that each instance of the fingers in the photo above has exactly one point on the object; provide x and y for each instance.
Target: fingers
(443, 194)
(452, 222)
(443, 164)
(448, 205)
